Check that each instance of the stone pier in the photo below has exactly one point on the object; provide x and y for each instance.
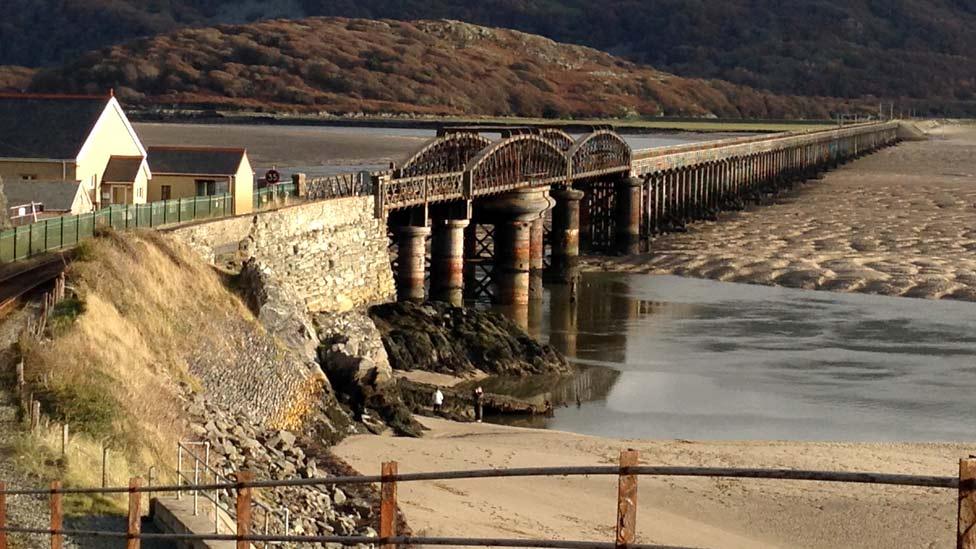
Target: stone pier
(564, 262)
(628, 216)
(447, 261)
(412, 252)
(514, 215)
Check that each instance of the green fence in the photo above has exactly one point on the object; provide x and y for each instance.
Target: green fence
(58, 233)
(273, 194)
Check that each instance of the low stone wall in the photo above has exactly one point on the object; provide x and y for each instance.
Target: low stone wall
(333, 253)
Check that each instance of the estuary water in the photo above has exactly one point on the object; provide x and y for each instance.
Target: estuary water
(665, 357)
(329, 150)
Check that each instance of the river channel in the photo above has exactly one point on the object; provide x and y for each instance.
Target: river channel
(328, 150)
(664, 357)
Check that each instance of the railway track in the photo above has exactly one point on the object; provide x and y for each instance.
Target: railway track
(19, 283)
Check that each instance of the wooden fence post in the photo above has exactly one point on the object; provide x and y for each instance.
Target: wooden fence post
(966, 530)
(388, 503)
(35, 415)
(627, 500)
(3, 516)
(135, 515)
(57, 513)
(243, 508)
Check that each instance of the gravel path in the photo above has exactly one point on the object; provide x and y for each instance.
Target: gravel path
(22, 511)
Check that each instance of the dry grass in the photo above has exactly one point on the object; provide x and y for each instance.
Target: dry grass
(114, 372)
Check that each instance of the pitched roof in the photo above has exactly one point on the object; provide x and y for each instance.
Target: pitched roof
(195, 160)
(47, 126)
(122, 169)
(55, 195)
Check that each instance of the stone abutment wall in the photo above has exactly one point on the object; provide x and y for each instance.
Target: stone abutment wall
(332, 253)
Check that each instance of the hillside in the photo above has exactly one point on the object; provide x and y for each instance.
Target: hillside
(919, 52)
(341, 65)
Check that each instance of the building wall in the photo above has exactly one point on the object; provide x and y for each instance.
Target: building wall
(181, 186)
(244, 188)
(333, 253)
(110, 137)
(12, 170)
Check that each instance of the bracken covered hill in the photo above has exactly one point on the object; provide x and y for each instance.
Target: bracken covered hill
(917, 52)
(341, 65)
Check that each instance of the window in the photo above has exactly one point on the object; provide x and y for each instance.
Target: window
(28, 177)
(139, 192)
(206, 187)
(166, 192)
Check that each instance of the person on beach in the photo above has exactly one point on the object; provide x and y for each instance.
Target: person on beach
(438, 400)
(479, 393)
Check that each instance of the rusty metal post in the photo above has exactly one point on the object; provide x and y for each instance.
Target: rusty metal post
(388, 503)
(3, 516)
(135, 515)
(57, 515)
(966, 530)
(627, 500)
(243, 508)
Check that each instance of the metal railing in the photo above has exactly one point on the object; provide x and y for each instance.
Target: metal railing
(274, 194)
(201, 469)
(627, 472)
(58, 233)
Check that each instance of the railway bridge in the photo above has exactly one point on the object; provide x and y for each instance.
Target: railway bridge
(492, 201)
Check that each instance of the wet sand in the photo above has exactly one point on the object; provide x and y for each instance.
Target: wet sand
(717, 513)
(899, 222)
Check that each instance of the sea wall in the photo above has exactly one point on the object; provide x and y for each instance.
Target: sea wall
(332, 253)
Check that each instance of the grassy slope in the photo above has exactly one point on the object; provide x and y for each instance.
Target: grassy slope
(118, 354)
(425, 67)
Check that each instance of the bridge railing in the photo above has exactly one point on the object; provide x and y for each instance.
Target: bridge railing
(627, 472)
(650, 160)
(58, 233)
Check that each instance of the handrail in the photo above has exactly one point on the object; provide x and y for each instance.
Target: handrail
(358, 540)
(283, 511)
(627, 472)
(598, 470)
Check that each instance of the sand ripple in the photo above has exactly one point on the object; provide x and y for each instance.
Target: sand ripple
(900, 222)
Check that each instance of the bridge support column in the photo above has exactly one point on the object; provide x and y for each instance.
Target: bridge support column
(447, 261)
(412, 250)
(628, 215)
(564, 263)
(513, 215)
(537, 250)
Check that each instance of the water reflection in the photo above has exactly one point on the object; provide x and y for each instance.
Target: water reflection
(667, 357)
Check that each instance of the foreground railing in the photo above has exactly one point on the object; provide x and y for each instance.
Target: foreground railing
(627, 472)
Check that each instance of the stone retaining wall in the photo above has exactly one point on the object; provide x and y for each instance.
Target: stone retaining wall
(332, 253)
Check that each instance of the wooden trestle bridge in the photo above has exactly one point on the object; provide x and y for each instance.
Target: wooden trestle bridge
(493, 207)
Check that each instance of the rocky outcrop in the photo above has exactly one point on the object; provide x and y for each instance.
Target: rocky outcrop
(354, 359)
(437, 337)
(280, 310)
(238, 443)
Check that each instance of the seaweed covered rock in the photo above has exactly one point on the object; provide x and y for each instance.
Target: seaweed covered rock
(438, 337)
(352, 355)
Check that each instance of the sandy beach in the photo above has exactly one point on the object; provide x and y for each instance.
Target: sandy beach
(708, 513)
(898, 222)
